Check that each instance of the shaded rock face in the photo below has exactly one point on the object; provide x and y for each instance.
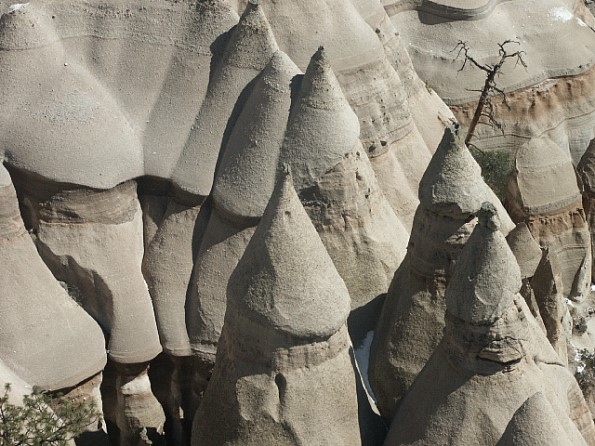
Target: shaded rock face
(543, 192)
(412, 319)
(67, 222)
(46, 338)
(586, 172)
(493, 360)
(336, 184)
(553, 95)
(249, 164)
(284, 347)
(390, 130)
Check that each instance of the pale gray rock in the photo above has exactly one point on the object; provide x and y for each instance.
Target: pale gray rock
(167, 267)
(390, 136)
(249, 49)
(243, 187)
(46, 338)
(547, 287)
(485, 278)
(535, 423)
(139, 417)
(338, 187)
(525, 249)
(82, 67)
(492, 359)
(412, 319)
(283, 375)
(69, 223)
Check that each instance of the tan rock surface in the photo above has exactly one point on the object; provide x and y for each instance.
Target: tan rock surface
(412, 318)
(543, 192)
(492, 359)
(338, 187)
(46, 338)
(535, 422)
(243, 187)
(554, 95)
(283, 373)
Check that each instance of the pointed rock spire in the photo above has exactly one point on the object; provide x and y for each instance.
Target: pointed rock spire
(251, 41)
(322, 126)
(286, 279)
(487, 277)
(284, 348)
(247, 52)
(452, 183)
(246, 176)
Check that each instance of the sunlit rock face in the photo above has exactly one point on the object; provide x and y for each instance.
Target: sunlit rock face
(493, 360)
(543, 192)
(284, 374)
(412, 319)
(553, 95)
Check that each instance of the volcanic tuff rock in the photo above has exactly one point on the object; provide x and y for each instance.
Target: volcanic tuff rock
(284, 373)
(243, 186)
(553, 95)
(543, 192)
(359, 58)
(338, 188)
(412, 319)
(535, 422)
(45, 337)
(69, 222)
(493, 358)
(586, 172)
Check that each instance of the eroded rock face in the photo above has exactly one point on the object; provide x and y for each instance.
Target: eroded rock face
(492, 360)
(284, 347)
(543, 192)
(338, 188)
(553, 95)
(68, 222)
(46, 337)
(243, 186)
(586, 172)
(412, 318)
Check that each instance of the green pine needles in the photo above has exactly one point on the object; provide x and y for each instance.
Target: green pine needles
(43, 421)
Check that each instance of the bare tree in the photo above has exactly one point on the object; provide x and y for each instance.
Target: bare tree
(485, 108)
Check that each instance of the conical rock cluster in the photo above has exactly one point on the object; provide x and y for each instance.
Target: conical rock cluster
(283, 372)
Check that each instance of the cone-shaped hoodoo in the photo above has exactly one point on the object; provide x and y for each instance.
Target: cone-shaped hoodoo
(493, 357)
(412, 319)
(249, 49)
(243, 187)
(487, 277)
(283, 373)
(339, 190)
